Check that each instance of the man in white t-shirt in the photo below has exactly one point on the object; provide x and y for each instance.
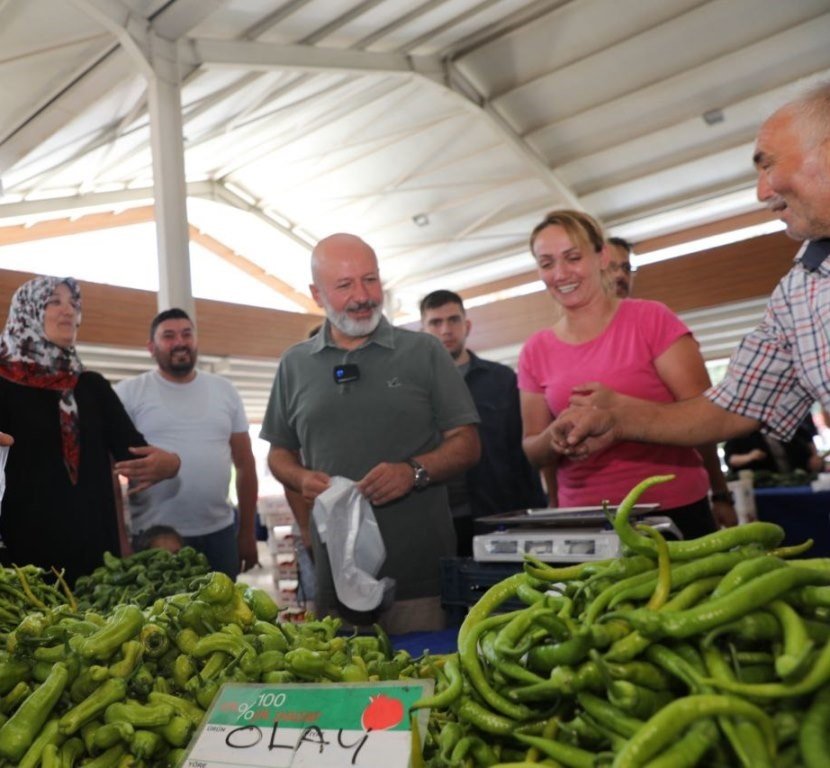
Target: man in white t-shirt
(199, 415)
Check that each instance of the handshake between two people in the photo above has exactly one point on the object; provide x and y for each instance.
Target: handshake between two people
(588, 424)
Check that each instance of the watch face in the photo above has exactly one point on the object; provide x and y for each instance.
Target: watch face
(421, 477)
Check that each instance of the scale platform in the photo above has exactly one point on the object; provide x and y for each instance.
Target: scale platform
(566, 535)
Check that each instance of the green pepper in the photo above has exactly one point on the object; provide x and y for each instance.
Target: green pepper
(13, 698)
(177, 731)
(690, 748)
(608, 715)
(221, 641)
(767, 534)
(142, 680)
(71, 752)
(12, 672)
(48, 735)
(124, 624)
(271, 660)
(206, 693)
(812, 738)
(273, 634)
(110, 691)
(198, 615)
(446, 697)
(671, 720)
(713, 613)
(468, 636)
(186, 640)
(797, 643)
(145, 744)
(50, 758)
(138, 715)
(87, 681)
(154, 640)
(311, 665)
(235, 611)
(563, 753)
(108, 759)
(131, 653)
(183, 669)
(472, 712)
(219, 589)
(20, 730)
(110, 734)
(278, 677)
(50, 654)
(183, 707)
(637, 700)
(260, 602)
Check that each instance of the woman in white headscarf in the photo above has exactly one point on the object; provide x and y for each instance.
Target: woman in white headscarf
(67, 426)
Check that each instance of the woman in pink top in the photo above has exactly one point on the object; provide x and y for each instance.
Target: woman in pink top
(624, 347)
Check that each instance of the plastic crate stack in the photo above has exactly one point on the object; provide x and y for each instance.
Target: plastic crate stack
(275, 514)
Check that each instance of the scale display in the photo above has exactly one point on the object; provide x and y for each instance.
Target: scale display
(553, 545)
(558, 544)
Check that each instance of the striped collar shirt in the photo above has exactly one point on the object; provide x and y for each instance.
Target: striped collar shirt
(783, 366)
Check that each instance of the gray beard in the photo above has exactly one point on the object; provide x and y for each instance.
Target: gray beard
(351, 327)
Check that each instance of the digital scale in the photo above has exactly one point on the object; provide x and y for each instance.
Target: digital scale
(565, 535)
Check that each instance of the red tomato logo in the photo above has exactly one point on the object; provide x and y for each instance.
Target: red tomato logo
(382, 712)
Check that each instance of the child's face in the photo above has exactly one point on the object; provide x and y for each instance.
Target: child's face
(166, 541)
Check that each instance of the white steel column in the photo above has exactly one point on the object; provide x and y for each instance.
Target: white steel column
(169, 185)
(153, 49)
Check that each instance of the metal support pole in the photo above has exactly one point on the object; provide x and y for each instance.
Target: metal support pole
(170, 188)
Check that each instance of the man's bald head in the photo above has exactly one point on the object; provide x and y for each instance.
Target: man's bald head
(339, 246)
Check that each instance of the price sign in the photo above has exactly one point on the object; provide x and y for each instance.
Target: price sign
(310, 725)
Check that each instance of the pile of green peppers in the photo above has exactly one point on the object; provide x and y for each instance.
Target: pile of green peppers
(129, 687)
(707, 652)
(27, 588)
(140, 578)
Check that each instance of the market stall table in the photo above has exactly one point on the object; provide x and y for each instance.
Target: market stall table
(801, 512)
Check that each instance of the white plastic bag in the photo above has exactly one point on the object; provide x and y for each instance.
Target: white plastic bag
(347, 526)
(4, 454)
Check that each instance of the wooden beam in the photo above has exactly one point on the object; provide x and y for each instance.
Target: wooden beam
(91, 222)
(734, 272)
(719, 227)
(254, 270)
(117, 316)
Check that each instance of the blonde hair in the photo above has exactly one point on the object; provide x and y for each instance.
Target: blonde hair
(581, 228)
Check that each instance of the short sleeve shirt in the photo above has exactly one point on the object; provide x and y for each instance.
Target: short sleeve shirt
(408, 393)
(195, 420)
(622, 358)
(783, 366)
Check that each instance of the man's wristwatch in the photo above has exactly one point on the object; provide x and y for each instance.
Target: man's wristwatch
(726, 496)
(422, 478)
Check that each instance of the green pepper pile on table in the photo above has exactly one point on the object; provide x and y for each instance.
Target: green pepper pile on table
(764, 478)
(711, 652)
(27, 588)
(129, 687)
(140, 578)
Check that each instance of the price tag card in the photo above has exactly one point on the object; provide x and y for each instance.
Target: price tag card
(313, 725)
